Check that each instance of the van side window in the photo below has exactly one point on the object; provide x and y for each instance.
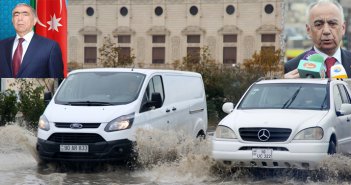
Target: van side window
(154, 94)
(158, 86)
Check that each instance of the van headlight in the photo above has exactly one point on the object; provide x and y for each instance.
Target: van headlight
(120, 123)
(43, 123)
(314, 133)
(224, 132)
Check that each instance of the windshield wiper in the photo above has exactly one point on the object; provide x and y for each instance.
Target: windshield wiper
(88, 103)
(290, 100)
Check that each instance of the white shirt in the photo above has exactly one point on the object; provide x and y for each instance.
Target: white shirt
(27, 38)
(337, 55)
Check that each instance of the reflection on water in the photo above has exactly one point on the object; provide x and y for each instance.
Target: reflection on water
(164, 158)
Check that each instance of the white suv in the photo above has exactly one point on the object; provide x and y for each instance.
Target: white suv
(285, 123)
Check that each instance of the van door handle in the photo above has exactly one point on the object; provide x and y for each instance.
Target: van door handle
(347, 119)
(174, 109)
(167, 110)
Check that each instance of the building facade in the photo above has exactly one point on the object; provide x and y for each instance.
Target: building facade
(160, 32)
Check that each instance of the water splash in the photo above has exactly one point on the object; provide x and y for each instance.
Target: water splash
(165, 158)
(334, 169)
(173, 156)
(15, 145)
(337, 167)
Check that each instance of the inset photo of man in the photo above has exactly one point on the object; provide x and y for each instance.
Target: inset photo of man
(35, 52)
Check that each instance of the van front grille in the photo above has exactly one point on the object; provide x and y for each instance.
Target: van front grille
(84, 125)
(275, 134)
(76, 138)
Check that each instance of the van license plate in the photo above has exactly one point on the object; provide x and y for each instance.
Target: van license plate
(74, 148)
(258, 153)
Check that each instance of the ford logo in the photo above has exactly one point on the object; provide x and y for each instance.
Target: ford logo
(76, 125)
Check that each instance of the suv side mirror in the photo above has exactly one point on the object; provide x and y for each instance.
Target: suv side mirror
(345, 109)
(47, 98)
(228, 107)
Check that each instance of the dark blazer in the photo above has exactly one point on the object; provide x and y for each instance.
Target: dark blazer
(345, 57)
(43, 59)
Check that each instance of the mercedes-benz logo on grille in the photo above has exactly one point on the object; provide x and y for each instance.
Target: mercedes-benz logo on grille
(263, 135)
(76, 125)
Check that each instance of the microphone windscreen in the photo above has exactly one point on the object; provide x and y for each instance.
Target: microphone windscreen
(309, 53)
(338, 71)
(312, 67)
(316, 58)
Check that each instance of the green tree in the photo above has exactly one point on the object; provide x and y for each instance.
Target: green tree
(31, 102)
(266, 62)
(111, 55)
(222, 83)
(8, 106)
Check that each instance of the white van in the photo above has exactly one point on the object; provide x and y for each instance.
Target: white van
(94, 114)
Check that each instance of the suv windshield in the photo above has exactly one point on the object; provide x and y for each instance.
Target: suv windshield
(100, 88)
(286, 96)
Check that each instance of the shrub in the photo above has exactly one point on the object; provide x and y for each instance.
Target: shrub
(8, 106)
(31, 102)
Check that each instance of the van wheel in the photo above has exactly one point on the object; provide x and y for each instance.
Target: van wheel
(201, 136)
(332, 147)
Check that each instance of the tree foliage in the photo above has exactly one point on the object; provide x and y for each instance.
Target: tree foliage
(266, 63)
(31, 102)
(228, 83)
(222, 83)
(28, 101)
(111, 55)
(8, 106)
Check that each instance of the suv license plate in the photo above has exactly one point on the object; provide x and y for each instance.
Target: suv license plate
(74, 148)
(258, 153)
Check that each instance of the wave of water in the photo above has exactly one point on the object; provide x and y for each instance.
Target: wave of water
(17, 145)
(174, 157)
(18, 158)
(164, 158)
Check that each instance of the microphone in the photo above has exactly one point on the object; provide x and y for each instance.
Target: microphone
(338, 71)
(312, 66)
(308, 54)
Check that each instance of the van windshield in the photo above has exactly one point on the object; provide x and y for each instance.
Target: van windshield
(100, 88)
(286, 96)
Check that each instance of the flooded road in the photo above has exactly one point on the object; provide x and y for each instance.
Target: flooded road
(164, 158)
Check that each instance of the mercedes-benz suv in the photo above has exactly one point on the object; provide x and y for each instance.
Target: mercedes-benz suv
(285, 123)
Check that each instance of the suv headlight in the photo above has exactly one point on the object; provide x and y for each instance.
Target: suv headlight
(224, 132)
(314, 133)
(120, 123)
(43, 123)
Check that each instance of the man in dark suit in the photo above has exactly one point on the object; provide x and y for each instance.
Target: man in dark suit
(326, 27)
(28, 55)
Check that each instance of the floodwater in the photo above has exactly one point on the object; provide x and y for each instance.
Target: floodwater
(164, 158)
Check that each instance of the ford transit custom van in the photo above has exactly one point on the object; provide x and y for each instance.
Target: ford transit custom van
(94, 113)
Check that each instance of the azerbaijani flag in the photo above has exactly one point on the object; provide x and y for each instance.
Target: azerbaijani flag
(52, 23)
